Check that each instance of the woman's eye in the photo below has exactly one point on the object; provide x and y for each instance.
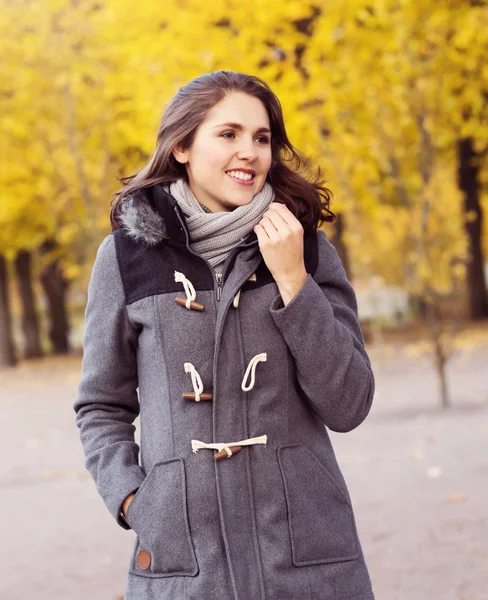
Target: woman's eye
(262, 139)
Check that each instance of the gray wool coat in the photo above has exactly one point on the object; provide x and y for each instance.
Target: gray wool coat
(239, 494)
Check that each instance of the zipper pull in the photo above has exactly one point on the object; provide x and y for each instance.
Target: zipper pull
(218, 277)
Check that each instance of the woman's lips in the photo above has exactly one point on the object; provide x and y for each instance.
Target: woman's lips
(248, 183)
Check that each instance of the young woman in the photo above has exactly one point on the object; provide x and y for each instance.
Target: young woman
(220, 300)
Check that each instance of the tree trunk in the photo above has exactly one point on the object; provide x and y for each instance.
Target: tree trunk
(55, 288)
(7, 349)
(440, 363)
(469, 183)
(371, 331)
(30, 319)
(438, 333)
(337, 239)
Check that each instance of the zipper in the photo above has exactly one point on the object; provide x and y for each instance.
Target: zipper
(219, 277)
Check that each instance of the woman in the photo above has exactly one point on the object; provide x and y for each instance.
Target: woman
(220, 300)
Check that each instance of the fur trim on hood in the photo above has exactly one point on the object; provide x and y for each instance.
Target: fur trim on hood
(141, 221)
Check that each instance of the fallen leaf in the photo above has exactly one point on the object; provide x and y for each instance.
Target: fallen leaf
(456, 498)
(66, 472)
(434, 472)
(417, 454)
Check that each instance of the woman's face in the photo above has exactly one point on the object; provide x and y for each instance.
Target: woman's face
(233, 142)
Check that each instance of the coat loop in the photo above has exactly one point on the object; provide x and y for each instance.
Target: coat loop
(189, 289)
(196, 380)
(196, 445)
(238, 295)
(236, 299)
(263, 357)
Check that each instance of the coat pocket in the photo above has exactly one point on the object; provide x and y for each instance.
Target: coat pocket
(159, 516)
(320, 517)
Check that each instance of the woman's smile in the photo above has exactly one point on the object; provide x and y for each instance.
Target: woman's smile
(242, 178)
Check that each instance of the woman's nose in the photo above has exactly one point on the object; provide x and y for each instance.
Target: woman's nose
(247, 150)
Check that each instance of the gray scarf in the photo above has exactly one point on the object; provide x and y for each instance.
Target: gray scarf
(214, 234)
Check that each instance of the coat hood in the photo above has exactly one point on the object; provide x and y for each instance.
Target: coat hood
(142, 215)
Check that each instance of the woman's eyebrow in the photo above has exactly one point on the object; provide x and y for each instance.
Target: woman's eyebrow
(240, 127)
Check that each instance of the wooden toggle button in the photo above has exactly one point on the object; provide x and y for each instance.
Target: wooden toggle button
(143, 560)
(192, 395)
(223, 453)
(193, 304)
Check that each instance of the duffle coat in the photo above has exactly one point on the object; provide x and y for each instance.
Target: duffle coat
(239, 494)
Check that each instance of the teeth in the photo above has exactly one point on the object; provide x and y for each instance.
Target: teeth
(240, 175)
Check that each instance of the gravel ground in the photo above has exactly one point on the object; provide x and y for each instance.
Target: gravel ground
(418, 478)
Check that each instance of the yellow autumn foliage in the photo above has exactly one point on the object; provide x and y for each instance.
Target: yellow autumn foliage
(375, 92)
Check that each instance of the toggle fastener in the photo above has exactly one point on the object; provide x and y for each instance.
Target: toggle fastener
(197, 383)
(189, 302)
(228, 449)
(193, 396)
(192, 304)
(227, 452)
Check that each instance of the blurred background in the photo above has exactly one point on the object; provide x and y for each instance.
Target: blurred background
(389, 98)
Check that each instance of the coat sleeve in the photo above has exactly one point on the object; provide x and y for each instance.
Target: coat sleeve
(321, 328)
(107, 402)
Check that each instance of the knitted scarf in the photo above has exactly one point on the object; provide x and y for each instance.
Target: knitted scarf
(214, 234)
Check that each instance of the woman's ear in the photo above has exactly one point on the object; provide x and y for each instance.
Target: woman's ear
(180, 155)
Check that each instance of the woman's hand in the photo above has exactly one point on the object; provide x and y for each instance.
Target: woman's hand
(126, 503)
(280, 238)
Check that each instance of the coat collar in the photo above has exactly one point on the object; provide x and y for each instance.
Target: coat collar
(154, 215)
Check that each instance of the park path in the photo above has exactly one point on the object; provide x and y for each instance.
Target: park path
(418, 478)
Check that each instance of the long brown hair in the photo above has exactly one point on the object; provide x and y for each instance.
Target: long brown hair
(289, 174)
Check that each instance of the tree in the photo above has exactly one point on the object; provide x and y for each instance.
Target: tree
(7, 350)
(377, 94)
(30, 319)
